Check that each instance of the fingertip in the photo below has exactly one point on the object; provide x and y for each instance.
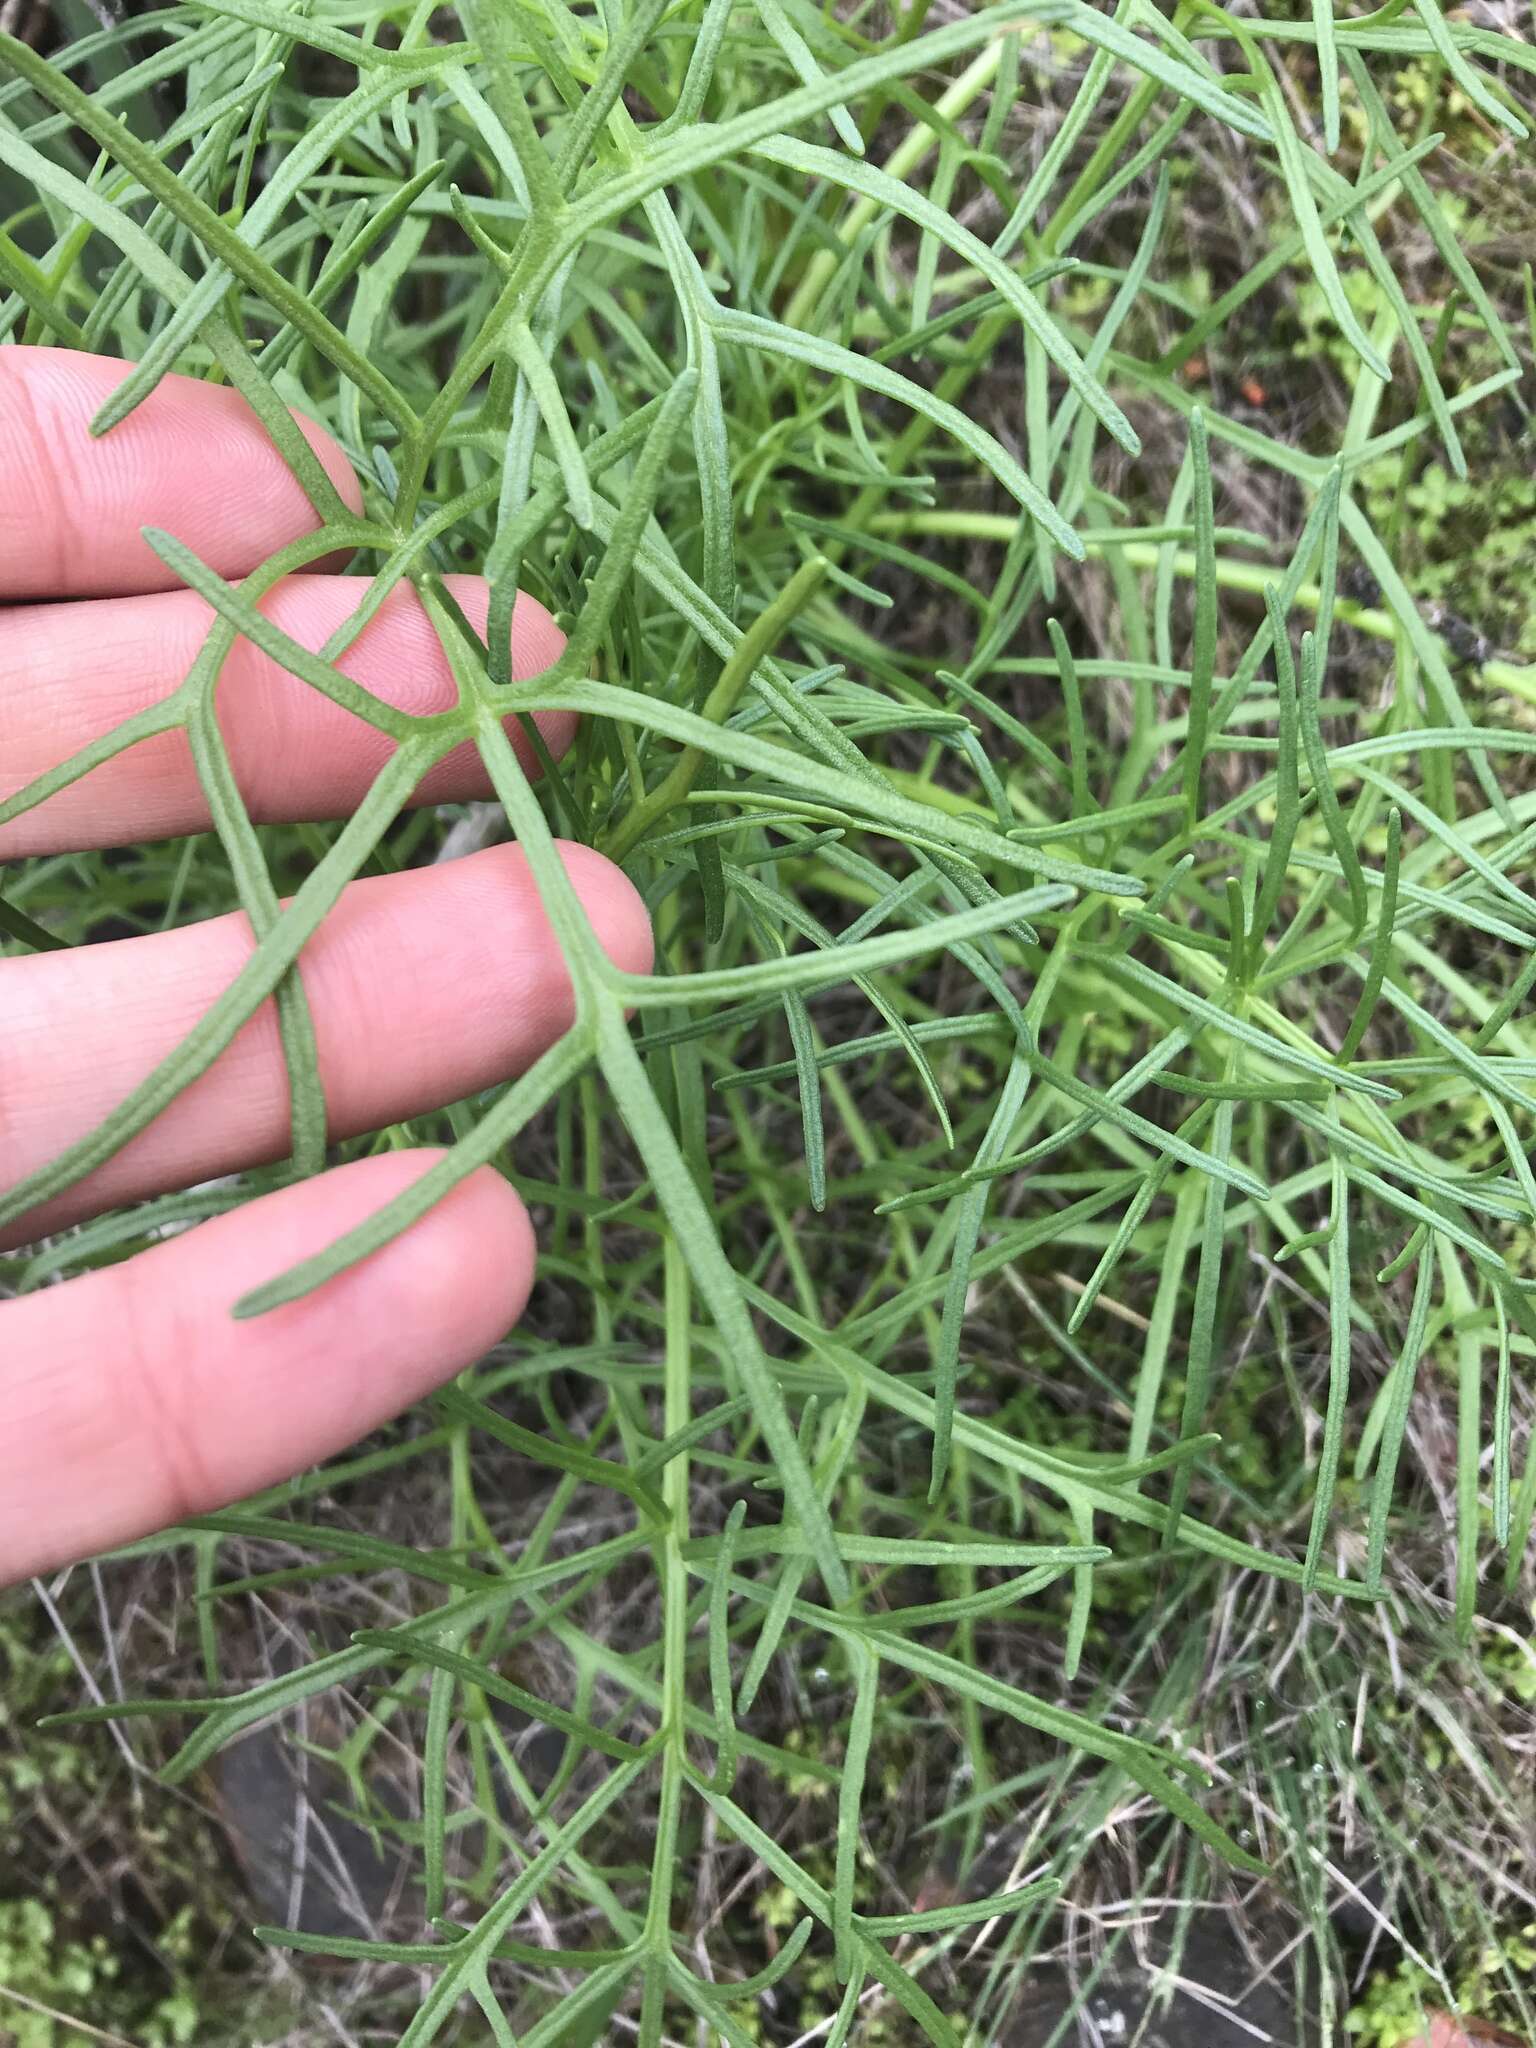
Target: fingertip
(446, 1289)
(614, 905)
(191, 456)
(537, 644)
(434, 1298)
(333, 461)
(138, 1384)
(470, 1261)
(558, 729)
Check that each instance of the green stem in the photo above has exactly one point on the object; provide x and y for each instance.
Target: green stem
(919, 142)
(760, 637)
(1251, 577)
(677, 1400)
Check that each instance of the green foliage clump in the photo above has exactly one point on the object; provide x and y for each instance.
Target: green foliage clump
(1042, 958)
(47, 1976)
(1392, 2012)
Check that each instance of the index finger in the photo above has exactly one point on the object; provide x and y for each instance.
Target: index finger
(193, 459)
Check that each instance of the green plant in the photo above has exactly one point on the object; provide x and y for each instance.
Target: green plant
(1189, 970)
(1393, 2011)
(47, 1976)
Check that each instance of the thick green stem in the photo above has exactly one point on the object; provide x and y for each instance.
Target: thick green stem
(760, 637)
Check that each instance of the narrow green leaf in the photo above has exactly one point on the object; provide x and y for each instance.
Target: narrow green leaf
(1328, 71)
(454, 1667)
(1395, 1420)
(1381, 944)
(850, 1800)
(1339, 1292)
(1202, 661)
(529, 358)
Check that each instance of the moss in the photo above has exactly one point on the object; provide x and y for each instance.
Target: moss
(51, 1975)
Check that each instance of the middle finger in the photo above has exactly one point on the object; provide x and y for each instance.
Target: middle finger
(424, 986)
(72, 673)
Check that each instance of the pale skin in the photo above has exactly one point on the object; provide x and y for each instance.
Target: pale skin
(130, 1398)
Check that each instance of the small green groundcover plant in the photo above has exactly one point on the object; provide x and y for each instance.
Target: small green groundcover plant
(997, 976)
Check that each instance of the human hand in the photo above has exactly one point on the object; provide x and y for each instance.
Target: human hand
(130, 1398)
